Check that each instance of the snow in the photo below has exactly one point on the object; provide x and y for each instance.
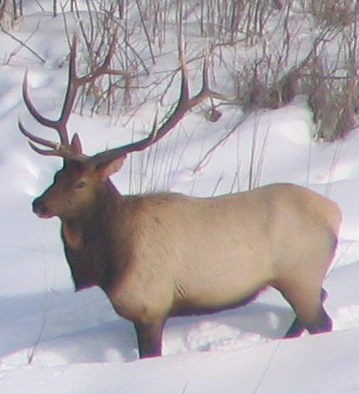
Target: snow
(53, 340)
(306, 365)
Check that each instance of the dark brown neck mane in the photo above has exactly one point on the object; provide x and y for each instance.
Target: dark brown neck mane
(88, 239)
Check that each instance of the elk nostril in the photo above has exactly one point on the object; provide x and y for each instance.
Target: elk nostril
(39, 207)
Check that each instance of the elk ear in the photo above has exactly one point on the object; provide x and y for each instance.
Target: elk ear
(109, 168)
(76, 144)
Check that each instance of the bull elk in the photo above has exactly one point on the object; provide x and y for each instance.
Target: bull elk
(167, 254)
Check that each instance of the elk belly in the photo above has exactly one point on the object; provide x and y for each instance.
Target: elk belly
(219, 285)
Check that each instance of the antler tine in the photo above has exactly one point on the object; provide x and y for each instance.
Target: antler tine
(72, 86)
(75, 82)
(185, 103)
(33, 138)
(35, 113)
(205, 91)
(104, 68)
(55, 149)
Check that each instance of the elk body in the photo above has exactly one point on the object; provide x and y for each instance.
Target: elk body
(168, 254)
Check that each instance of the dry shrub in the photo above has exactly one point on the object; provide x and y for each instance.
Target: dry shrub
(270, 77)
(333, 99)
(327, 75)
(331, 13)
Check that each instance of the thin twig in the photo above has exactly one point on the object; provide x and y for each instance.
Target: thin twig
(220, 142)
(23, 44)
(146, 32)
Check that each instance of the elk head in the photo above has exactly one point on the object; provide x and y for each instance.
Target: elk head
(74, 188)
(83, 176)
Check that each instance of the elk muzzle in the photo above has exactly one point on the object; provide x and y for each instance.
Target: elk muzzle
(40, 208)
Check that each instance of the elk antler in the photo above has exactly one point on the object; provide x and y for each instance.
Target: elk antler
(65, 149)
(185, 103)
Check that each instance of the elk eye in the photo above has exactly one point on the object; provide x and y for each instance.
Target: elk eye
(80, 185)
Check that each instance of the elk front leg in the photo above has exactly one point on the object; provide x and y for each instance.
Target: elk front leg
(295, 330)
(149, 337)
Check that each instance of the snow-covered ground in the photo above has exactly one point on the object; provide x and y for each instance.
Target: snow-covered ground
(53, 340)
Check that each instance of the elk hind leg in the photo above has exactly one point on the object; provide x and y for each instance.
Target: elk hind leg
(311, 314)
(324, 323)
